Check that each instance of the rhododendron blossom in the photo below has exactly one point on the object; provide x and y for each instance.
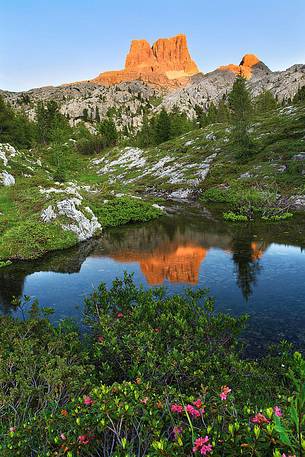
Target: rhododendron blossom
(83, 439)
(225, 390)
(260, 419)
(277, 411)
(176, 408)
(202, 445)
(192, 411)
(197, 403)
(88, 401)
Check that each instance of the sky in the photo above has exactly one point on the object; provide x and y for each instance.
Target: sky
(50, 42)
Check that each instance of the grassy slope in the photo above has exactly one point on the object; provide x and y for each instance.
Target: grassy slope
(277, 138)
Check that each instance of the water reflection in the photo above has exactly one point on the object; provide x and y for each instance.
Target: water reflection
(174, 250)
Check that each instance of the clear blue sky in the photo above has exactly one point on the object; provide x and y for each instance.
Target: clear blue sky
(46, 42)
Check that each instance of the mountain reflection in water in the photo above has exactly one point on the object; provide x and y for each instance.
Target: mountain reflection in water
(256, 266)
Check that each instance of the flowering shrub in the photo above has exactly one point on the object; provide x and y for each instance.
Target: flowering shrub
(169, 340)
(130, 419)
(157, 376)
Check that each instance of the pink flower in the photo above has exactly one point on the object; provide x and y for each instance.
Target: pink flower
(284, 455)
(144, 401)
(88, 401)
(277, 411)
(120, 315)
(13, 429)
(202, 445)
(63, 436)
(100, 339)
(197, 403)
(84, 439)
(225, 390)
(260, 419)
(192, 411)
(176, 408)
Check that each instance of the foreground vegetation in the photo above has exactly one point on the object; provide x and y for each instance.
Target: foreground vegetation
(155, 375)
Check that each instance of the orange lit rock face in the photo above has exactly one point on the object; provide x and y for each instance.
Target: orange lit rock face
(245, 66)
(167, 63)
(181, 264)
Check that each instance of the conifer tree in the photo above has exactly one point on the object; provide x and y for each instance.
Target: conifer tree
(299, 96)
(265, 102)
(109, 132)
(162, 127)
(241, 108)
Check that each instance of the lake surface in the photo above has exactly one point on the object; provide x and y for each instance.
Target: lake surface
(253, 269)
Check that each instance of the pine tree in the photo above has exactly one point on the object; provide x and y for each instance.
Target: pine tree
(179, 123)
(51, 125)
(109, 132)
(299, 96)
(223, 112)
(241, 108)
(6, 121)
(146, 136)
(211, 114)
(265, 102)
(162, 127)
(85, 114)
(97, 114)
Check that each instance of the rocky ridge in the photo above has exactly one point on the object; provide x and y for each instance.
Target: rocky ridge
(155, 77)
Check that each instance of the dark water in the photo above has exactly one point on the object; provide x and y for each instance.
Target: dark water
(253, 269)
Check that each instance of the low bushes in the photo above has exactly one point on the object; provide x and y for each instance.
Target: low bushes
(124, 210)
(155, 375)
(31, 239)
(133, 418)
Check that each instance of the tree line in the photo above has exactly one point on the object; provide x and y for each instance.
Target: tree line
(50, 126)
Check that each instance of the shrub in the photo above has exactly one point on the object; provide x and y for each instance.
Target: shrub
(92, 145)
(124, 210)
(133, 418)
(165, 340)
(41, 366)
(278, 217)
(234, 217)
(32, 239)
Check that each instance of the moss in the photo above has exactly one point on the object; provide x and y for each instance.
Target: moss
(32, 239)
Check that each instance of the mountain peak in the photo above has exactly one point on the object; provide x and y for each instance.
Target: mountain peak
(249, 60)
(166, 63)
(245, 67)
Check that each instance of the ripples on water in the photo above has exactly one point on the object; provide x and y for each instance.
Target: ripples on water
(253, 269)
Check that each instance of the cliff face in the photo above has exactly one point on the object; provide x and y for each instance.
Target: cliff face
(167, 63)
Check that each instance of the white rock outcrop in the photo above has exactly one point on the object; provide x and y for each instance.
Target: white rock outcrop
(48, 214)
(6, 152)
(7, 179)
(84, 226)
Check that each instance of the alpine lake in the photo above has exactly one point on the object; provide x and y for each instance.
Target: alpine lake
(256, 269)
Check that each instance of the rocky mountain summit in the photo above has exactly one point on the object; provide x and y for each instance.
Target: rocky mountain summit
(167, 63)
(159, 76)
